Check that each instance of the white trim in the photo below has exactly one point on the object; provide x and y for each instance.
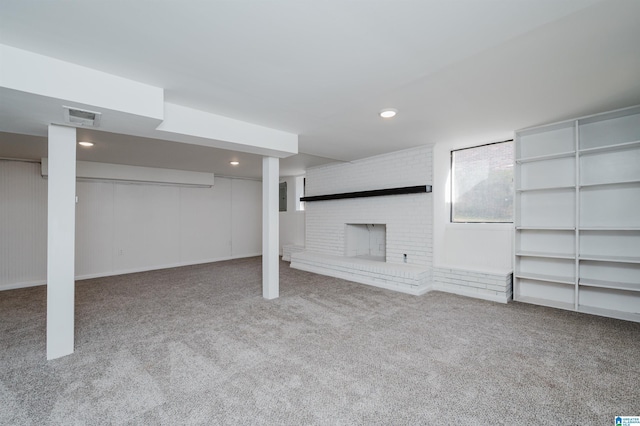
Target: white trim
(25, 284)
(14, 286)
(20, 160)
(169, 266)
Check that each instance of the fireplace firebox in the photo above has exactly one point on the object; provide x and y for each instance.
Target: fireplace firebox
(366, 240)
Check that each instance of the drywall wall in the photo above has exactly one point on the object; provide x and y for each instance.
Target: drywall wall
(246, 217)
(123, 227)
(292, 221)
(476, 246)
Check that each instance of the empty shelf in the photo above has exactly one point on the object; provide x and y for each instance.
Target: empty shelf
(544, 277)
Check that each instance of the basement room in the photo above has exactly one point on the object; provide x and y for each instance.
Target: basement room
(328, 213)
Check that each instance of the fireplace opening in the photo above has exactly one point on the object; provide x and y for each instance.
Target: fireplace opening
(366, 241)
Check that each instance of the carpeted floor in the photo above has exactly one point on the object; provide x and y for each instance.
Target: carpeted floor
(199, 345)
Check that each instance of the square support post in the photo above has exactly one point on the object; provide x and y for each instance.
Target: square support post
(61, 227)
(270, 228)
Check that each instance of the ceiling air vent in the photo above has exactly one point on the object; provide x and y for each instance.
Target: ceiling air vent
(81, 117)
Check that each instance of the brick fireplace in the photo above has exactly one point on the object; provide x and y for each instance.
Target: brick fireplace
(383, 240)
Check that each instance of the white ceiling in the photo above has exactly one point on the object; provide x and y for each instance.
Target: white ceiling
(458, 71)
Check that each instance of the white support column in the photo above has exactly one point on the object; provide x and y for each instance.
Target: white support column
(61, 241)
(270, 224)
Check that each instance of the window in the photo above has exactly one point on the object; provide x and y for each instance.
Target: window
(482, 183)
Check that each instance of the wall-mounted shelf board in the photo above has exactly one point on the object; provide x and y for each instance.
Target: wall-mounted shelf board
(547, 188)
(622, 182)
(546, 157)
(551, 278)
(610, 284)
(546, 228)
(610, 228)
(545, 254)
(420, 189)
(578, 191)
(605, 148)
(546, 302)
(611, 313)
(603, 258)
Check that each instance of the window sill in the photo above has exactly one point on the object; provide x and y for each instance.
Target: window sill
(487, 226)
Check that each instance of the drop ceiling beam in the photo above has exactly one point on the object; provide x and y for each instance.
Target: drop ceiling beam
(37, 87)
(203, 128)
(41, 75)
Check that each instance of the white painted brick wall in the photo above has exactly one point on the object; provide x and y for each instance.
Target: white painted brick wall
(409, 218)
(288, 250)
(398, 277)
(403, 168)
(483, 285)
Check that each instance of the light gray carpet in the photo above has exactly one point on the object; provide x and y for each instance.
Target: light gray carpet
(199, 345)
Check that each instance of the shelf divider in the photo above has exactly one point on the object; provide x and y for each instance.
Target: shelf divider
(545, 157)
(546, 302)
(612, 147)
(549, 278)
(588, 282)
(610, 228)
(608, 258)
(621, 182)
(545, 254)
(546, 188)
(545, 228)
(627, 316)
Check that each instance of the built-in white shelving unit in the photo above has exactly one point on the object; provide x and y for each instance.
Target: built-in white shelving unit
(577, 215)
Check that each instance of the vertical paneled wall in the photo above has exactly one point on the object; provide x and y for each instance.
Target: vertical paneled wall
(124, 227)
(210, 240)
(23, 223)
(95, 228)
(246, 216)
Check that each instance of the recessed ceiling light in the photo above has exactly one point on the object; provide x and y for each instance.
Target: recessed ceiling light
(234, 163)
(85, 143)
(388, 112)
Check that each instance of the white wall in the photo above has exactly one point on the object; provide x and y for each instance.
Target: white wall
(408, 218)
(465, 245)
(292, 222)
(126, 227)
(209, 240)
(246, 217)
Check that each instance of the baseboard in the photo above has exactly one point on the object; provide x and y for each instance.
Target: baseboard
(13, 286)
(167, 266)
